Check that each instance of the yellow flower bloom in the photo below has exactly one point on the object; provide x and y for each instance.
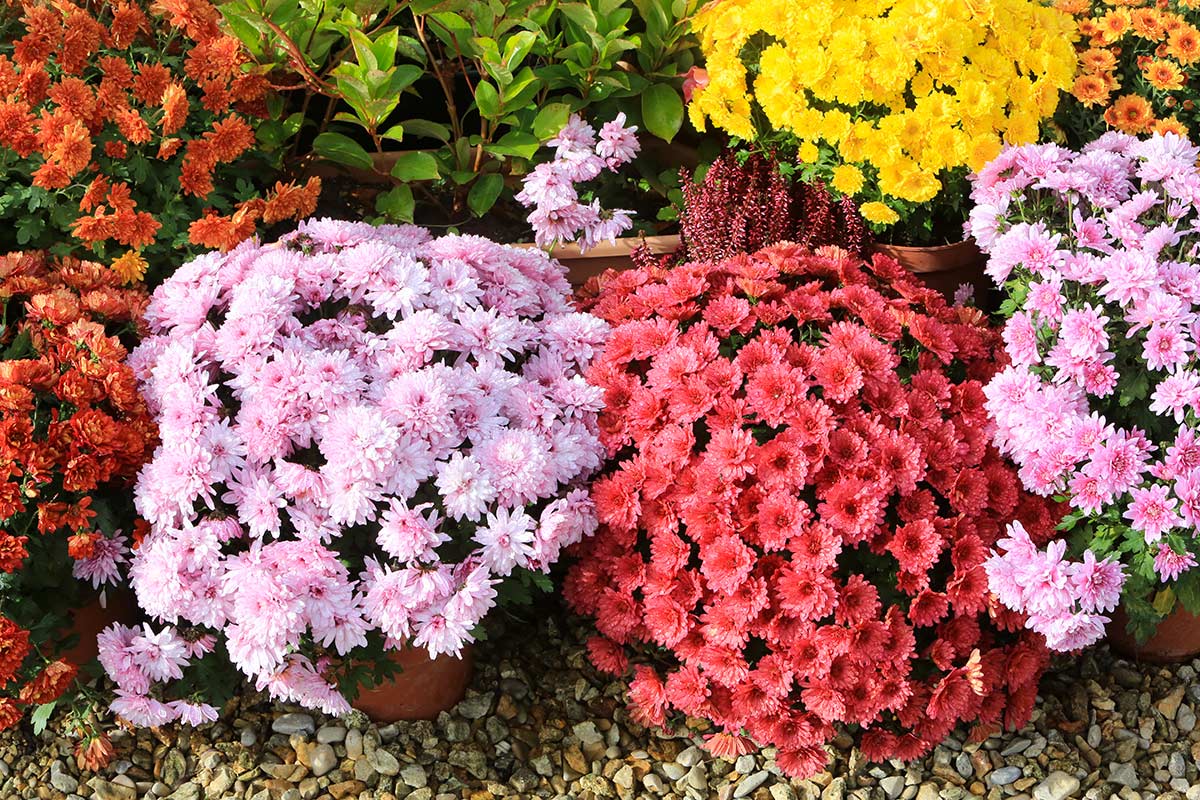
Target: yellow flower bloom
(130, 267)
(808, 153)
(847, 179)
(878, 213)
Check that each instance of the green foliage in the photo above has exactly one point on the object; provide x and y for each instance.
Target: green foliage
(508, 73)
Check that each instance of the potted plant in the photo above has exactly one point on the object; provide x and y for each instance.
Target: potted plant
(800, 500)
(1098, 407)
(889, 103)
(73, 433)
(1137, 70)
(132, 133)
(369, 438)
(447, 102)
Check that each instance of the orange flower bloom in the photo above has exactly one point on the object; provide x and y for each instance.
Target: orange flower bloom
(1098, 60)
(10, 713)
(1113, 25)
(131, 267)
(1170, 125)
(150, 82)
(50, 683)
(168, 147)
(195, 176)
(289, 201)
(223, 233)
(1148, 24)
(127, 22)
(12, 552)
(1090, 90)
(229, 138)
(94, 753)
(74, 97)
(14, 647)
(82, 544)
(175, 109)
(1073, 7)
(1164, 75)
(1184, 44)
(1130, 113)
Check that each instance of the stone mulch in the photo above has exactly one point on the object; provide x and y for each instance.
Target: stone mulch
(539, 722)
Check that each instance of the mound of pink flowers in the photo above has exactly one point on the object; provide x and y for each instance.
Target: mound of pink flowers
(1098, 249)
(802, 498)
(365, 431)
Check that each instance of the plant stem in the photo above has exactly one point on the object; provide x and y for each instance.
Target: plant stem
(447, 89)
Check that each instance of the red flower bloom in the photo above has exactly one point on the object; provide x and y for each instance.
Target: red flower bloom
(790, 460)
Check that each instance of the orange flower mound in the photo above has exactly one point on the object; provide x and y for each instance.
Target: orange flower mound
(73, 434)
(114, 134)
(1139, 68)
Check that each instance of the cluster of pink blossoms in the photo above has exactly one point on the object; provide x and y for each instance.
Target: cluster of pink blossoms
(1099, 404)
(550, 189)
(1064, 601)
(364, 430)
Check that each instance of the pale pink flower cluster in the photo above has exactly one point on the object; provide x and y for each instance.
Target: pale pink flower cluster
(363, 431)
(136, 659)
(1099, 403)
(551, 190)
(1065, 601)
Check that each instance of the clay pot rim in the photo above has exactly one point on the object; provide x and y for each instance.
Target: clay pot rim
(664, 243)
(968, 242)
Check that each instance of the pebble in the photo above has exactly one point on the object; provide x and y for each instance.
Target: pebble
(322, 759)
(1185, 719)
(1058, 785)
(690, 757)
(1004, 776)
(414, 775)
(288, 724)
(1123, 775)
(384, 762)
(476, 707)
(892, 786)
(331, 734)
(744, 764)
(751, 782)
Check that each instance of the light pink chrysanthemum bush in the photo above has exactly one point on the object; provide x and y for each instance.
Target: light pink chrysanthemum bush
(366, 434)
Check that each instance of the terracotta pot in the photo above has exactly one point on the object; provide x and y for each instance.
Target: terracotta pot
(88, 621)
(1176, 639)
(423, 688)
(615, 255)
(944, 267)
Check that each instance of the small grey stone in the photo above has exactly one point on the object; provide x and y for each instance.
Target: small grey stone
(690, 757)
(963, 765)
(1004, 776)
(1058, 785)
(414, 775)
(62, 781)
(322, 758)
(541, 765)
(697, 777)
(674, 771)
(476, 706)
(892, 786)
(104, 790)
(174, 767)
(1176, 765)
(354, 743)
(1016, 746)
(1193, 793)
(781, 791)
(287, 724)
(624, 777)
(653, 783)
(744, 764)
(249, 738)
(331, 734)
(1185, 719)
(1126, 749)
(523, 780)
(751, 782)
(586, 733)
(1124, 775)
(221, 782)
(384, 762)
(388, 733)
(457, 730)
(188, 791)
(363, 771)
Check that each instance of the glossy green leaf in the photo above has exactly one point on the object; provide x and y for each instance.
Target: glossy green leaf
(396, 204)
(662, 111)
(515, 143)
(41, 716)
(415, 166)
(517, 47)
(487, 99)
(484, 193)
(427, 129)
(550, 120)
(342, 149)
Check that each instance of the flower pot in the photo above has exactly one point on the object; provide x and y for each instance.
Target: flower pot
(1176, 639)
(90, 619)
(422, 689)
(606, 255)
(944, 267)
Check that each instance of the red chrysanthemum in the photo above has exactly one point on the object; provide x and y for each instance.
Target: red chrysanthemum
(812, 496)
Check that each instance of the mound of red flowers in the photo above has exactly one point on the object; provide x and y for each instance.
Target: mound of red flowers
(804, 494)
(73, 433)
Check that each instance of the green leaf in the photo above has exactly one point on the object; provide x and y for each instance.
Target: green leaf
(1187, 590)
(550, 120)
(20, 347)
(396, 203)
(487, 99)
(662, 111)
(342, 149)
(484, 193)
(518, 144)
(395, 133)
(425, 128)
(41, 716)
(415, 166)
(517, 47)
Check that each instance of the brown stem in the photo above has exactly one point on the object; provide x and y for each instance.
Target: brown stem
(447, 90)
(310, 77)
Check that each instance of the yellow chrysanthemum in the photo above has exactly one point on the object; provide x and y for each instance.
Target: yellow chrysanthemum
(808, 153)
(847, 179)
(130, 267)
(879, 213)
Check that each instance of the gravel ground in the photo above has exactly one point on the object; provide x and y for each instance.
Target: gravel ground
(539, 722)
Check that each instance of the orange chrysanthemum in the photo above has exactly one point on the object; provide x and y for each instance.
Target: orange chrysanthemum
(1163, 75)
(1113, 25)
(1184, 44)
(1130, 113)
(229, 138)
(1097, 60)
(1170, 125)
(131, 267)
(175, 108)
(1148, 24)
(289, 201)
(1090, 90)
(50, 683)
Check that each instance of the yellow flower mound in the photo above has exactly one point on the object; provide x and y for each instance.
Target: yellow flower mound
(897, 90)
